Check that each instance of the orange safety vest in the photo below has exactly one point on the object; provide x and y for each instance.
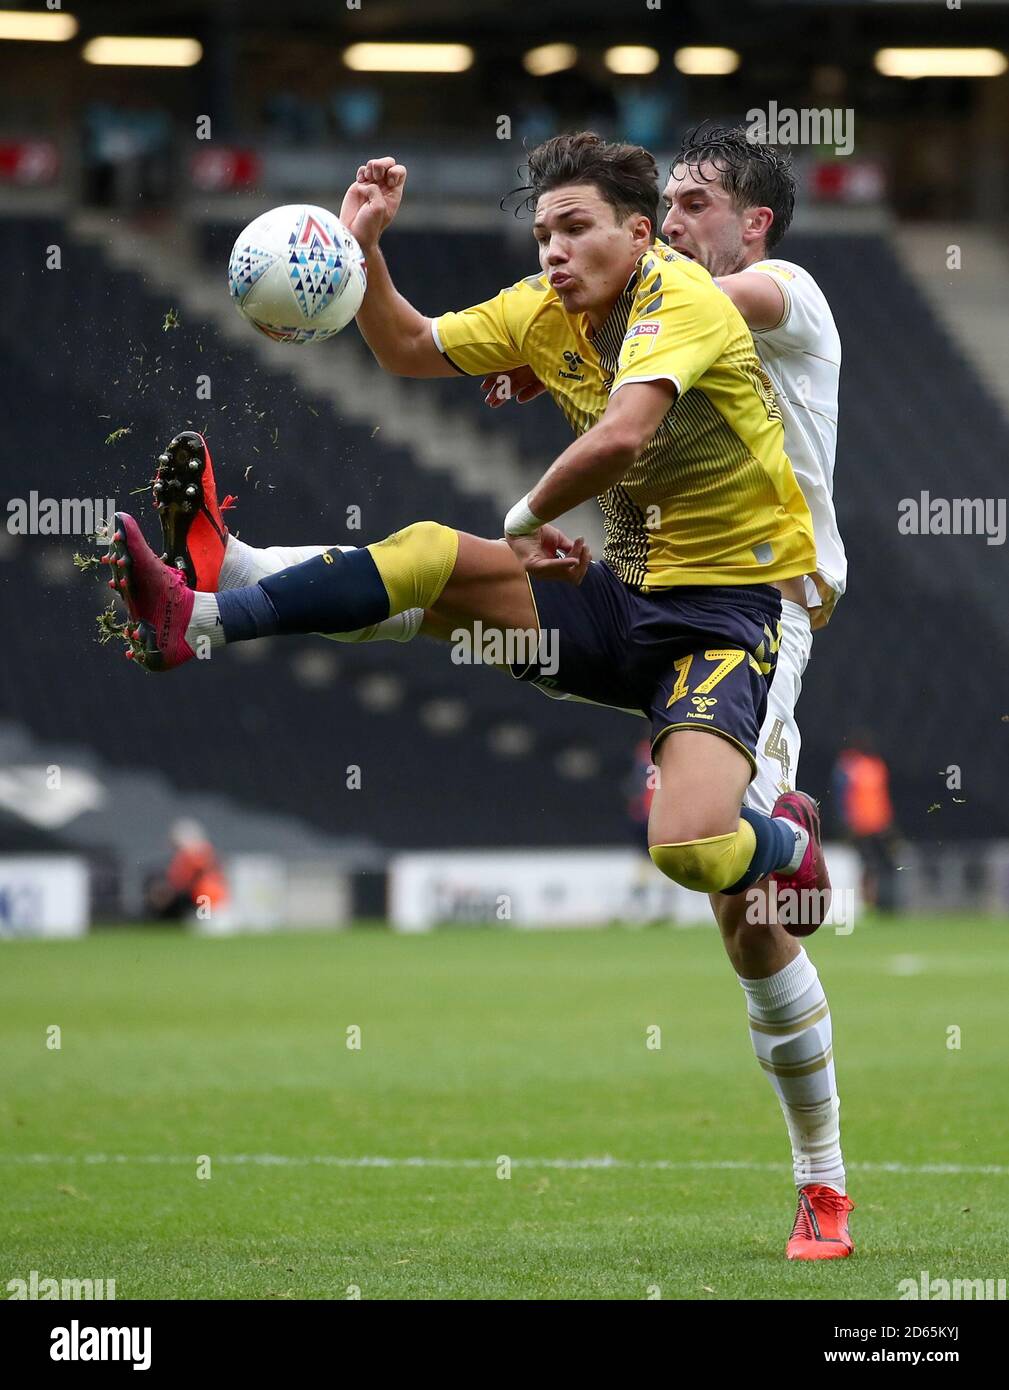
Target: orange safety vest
(194, 870)
(867, 806)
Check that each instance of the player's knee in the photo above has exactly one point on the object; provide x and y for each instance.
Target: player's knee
(430, 534)
(415, 564)
(425, 539)
(706, 866)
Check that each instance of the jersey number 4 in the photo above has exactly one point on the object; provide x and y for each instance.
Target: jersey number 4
(776, 747)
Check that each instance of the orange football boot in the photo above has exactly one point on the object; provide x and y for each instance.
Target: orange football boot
(820, 1231)
(185, 498)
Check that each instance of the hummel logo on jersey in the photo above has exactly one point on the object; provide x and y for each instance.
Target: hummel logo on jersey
(703, 702)
(574, 362)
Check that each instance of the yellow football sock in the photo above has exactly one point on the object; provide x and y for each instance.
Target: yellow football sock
(707, 865)
(416, 563)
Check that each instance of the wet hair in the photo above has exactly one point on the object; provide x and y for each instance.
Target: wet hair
(754, 175)
(626, 176)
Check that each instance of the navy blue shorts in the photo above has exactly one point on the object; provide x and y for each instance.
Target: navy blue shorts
(697, 657)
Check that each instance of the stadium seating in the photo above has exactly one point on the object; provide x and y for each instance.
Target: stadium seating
(449, 755)
(85, 354)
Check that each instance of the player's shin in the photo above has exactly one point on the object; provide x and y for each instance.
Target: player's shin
(245, 565)
(790, 1030)
(335, 591)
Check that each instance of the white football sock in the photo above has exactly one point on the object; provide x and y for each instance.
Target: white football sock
(801, 843)
(401, 627)
(205, 623)
(791, 1035)
(245, 565)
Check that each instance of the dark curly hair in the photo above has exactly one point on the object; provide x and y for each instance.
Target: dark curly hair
(753, 174)
(625, 175)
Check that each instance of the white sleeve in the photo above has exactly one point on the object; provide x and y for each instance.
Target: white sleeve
(805, 311)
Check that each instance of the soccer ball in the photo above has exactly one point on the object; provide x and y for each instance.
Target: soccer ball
(297, 274)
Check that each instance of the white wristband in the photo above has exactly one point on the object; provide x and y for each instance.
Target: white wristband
(521, 521)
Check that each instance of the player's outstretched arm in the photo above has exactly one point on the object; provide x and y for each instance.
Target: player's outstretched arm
(399, 336)
(758, 297)
(601, 457)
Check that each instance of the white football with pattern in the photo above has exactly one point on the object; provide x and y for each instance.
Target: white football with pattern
(297, 274)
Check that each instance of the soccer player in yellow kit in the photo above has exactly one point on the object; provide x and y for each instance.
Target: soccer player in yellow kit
(680, 438)
(730, 202)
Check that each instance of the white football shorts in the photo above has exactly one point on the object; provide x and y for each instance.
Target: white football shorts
(779, 742)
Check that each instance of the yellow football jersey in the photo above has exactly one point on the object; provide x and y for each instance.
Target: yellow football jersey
(712, 499)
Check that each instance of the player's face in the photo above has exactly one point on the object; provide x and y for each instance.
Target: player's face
(702, 221)
(587, 250)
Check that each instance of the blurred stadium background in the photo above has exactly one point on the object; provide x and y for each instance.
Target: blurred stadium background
(142, 175)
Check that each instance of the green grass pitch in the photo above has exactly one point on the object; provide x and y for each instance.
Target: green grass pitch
(476, 1044)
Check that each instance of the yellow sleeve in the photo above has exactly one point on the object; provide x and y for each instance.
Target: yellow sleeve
(676, 330)
(486, 337)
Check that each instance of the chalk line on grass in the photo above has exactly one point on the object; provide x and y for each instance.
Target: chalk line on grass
(605, 1161)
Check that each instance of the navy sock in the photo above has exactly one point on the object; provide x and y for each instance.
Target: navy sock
(775, 847)
(338, 591)
(246, 613)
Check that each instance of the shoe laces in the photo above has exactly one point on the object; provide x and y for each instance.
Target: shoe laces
(228, 503)
(824, 1196)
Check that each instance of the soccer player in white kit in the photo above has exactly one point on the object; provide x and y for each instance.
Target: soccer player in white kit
(729, 203)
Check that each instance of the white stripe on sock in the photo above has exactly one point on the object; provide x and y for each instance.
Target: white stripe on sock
(803, 1067)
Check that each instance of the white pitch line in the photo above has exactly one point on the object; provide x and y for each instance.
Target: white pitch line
(375, 1161)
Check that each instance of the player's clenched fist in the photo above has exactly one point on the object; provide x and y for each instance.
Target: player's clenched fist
(372, 200)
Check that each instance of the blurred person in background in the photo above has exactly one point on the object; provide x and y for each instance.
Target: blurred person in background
(193, 880)
(862, 795)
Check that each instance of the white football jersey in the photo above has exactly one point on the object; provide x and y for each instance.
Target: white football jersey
(802, 356)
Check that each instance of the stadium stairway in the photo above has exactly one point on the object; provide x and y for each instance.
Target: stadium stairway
(970, 298)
